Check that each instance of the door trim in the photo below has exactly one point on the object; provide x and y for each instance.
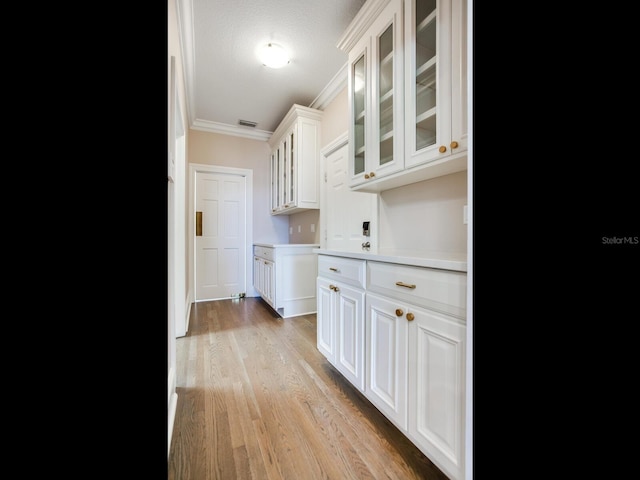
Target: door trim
(195, 168)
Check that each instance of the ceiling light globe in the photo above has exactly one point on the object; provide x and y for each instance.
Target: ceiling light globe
(274, 56)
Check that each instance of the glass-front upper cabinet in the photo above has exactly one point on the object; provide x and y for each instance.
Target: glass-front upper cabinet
(376, 99)
(295, 162)
(435, 79)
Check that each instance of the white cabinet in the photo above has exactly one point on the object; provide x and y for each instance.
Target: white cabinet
(285, 277)
(436, 80)
(340, 315)
(436, 388)
(375, 86)
(416, 320)
(295, 162)
(414, 347)
(427, 85)
(386, 340)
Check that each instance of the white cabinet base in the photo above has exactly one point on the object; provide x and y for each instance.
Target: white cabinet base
(288, 281)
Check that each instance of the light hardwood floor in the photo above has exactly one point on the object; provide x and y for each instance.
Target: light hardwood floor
(257, 400)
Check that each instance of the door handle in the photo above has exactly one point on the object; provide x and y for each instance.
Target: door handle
(198, 224)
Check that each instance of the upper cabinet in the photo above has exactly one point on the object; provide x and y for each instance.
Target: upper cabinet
(375, 80)
(295, 161)
(407, 85)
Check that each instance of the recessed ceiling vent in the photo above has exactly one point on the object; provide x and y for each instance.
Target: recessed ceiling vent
(247, 123)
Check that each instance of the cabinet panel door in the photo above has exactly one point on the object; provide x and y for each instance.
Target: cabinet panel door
(428, 80)
(325, 320)
(350, 339)
(359, 108)
(437, 388)
(387, 109)
(269, 283)
(386, 378)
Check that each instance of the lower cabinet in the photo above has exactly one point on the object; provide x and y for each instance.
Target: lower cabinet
(414, 356)
(340, 323)
(340, 315)
(436, 389)
(285, 277)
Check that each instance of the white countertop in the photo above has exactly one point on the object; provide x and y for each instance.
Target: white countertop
(276, 245)
(442, 260)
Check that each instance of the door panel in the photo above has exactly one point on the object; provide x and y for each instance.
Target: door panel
(220, 250)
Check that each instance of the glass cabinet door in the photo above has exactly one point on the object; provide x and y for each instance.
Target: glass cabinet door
(425, 74)
(274, 181)
(429, 81)
(386, 154)
(284, 156)
(385, 95)
(291, 172)
(359, 92)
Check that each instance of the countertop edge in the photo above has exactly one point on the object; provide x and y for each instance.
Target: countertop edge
(277, 245)
(429, 262)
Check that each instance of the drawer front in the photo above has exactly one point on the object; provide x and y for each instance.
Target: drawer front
(440, 290)
(348, 270)
(263, 252)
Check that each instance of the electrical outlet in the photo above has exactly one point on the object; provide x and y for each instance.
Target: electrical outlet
(464, 215)
(290, 230)
(313, 228)
(299, 228)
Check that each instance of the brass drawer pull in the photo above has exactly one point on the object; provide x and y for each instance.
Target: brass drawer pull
(406, 285)
(333, 269)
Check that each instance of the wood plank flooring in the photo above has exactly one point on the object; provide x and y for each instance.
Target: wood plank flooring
(257, 400)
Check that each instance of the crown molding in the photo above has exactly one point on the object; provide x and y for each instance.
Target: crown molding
(226, 129)
(332, 89)
(360, 23)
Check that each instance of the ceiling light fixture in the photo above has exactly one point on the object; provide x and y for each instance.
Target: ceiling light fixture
(274, 56)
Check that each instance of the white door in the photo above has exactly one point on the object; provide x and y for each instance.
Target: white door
(220, 244)
(344, 225)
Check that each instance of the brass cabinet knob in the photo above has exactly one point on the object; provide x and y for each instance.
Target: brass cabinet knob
(398, 312)
(442, 149)
(336, 289)
(410, 316)
(372, 174)
(366, 175)
(454, 144)
(331, 287)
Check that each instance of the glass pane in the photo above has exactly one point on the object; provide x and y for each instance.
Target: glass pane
(359, 89)
(425, 62)
(385, 80)
(291, 172)
(285, 173)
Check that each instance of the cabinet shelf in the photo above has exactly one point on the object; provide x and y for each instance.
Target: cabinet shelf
(420, 27)
(423, 117)
(423, 76)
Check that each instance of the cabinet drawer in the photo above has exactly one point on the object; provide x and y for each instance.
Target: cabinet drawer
(440, 290)
(348, 270)
(263, 252)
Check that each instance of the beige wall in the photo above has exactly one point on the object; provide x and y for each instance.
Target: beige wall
(305, 222)
(335, 118)
(425, 216)
(209, 148)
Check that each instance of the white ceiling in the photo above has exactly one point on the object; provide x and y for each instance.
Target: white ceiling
(225, 81)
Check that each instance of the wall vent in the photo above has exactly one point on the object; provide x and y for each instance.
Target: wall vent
(247, 123)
